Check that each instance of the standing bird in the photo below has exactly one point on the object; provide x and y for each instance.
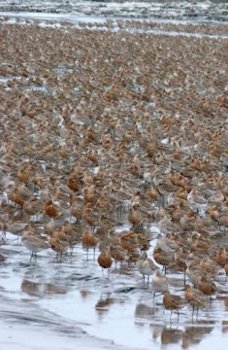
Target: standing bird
(104, 259)
(33, 242)
(206, 286)
(195, 298)
(52, 210)
(89, 241)
(159, 283)
(118, 253)
(173, 302)
(3, 229)
(59, 244)
(145, 265)
(133, 217)
(226, 269)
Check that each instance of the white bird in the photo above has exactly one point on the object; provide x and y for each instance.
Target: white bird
(159, 283)
(145, 265)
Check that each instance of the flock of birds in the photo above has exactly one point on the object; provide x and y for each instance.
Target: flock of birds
(100, 129)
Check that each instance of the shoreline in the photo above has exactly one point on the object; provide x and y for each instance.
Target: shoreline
(190, 9)
(199, 30)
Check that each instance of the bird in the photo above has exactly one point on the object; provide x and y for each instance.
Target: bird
(145, 265)
(33, 243)
(226, 269)
(163, 258)
(59, 244)
(118, 253)
(104, 259)
(159, 283)
(17, 228)
(52, 210)
(195, 298)
(3, 229)
(206, 285)
(173, 302)
(133, 216)
(89, 241)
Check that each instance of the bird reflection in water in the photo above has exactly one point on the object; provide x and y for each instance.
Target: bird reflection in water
(85, 294)
(31, 288)
(194, 335)
(187, 337)
(171, 335)
(156, 332)
(144, 311)
(40, 289)
(224, 326)
(226, 303)
(103, 305)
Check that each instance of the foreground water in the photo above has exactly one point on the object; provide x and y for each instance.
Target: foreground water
(73, 304)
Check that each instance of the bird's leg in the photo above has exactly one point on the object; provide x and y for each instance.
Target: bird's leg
(170, 315)
(197, 312)
(148, 280)
(178, 314)
(193, 309)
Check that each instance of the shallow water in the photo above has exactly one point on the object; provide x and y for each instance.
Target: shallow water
(216, 30)
(115, 310)
(204, 10)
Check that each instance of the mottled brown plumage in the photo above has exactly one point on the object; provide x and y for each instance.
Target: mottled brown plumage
(104, 259)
